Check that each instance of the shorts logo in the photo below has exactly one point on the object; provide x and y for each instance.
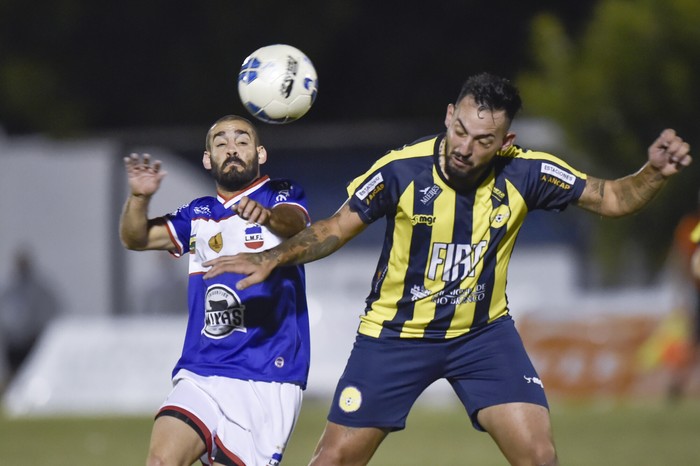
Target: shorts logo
(223, 312)
(350, 399)
(534, 380)
(368, 187)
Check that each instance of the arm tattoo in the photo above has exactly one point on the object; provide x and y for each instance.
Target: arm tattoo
(637, 190)
(308, 245)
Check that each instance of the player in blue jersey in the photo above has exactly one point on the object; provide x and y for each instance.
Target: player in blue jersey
(454, 204)
(237, 387)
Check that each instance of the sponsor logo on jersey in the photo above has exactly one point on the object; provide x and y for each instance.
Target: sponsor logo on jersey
(450, 261)
(556, 182)
(193, 243)
(500, 215)
(177, 211)
(350, 399)
(498, 194)
(429, 194)
(461, 295)
(419, 292)
(202, 210)
(423, 219)
(556, 172)
(369, 187)
(223, 312)
(282, 195)
(253, 238)
(216, 242)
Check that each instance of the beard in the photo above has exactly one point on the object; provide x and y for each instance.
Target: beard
(238, 176)
(461, 177)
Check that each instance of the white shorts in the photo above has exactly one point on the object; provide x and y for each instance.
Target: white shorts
(242, 422)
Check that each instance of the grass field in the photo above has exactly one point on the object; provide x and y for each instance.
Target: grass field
(635, 434)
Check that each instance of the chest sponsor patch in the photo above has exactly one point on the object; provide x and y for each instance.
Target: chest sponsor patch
(223, 312)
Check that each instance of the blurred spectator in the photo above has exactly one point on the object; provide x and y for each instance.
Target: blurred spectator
(686, 239)
(27, 305)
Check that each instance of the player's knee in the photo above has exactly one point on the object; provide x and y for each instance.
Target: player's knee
(327, 456)
(337, 456)
(155, 459)
(543, 454)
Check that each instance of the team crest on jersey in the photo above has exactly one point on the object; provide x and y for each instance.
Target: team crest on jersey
(253, 238)
(216, 242)
(499, 216)
(350, 399)
(223, 312)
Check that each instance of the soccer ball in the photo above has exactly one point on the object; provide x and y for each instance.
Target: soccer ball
(277, 83)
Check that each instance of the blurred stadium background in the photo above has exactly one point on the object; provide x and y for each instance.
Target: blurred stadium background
(599, 302)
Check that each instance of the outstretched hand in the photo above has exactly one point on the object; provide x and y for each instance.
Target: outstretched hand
(669, 154)
(143, 176)
(255, 266)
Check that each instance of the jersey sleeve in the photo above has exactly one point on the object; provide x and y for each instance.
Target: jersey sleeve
(374, 194)
(179, 224)
(290, 193)
(548, 183)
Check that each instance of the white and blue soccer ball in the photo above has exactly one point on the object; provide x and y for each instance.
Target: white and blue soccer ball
(277, 83)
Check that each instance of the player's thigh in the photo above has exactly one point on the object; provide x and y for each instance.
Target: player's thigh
(521, 430)
(349, 446)
(173, 442)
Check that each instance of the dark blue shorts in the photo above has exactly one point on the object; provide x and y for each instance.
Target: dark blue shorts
(383, 378)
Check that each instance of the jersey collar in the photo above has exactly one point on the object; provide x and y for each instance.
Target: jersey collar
(252, 187)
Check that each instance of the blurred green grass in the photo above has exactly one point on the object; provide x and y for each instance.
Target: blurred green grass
(601, 433)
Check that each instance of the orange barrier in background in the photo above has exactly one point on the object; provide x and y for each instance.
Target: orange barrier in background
(611, 356)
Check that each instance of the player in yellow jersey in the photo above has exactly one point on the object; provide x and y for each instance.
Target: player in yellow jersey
(686, 256)
(454, 204)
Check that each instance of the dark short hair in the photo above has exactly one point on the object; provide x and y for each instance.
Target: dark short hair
(256, 138)
(492, 92)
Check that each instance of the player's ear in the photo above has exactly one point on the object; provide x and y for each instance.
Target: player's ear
(262, 155)
(206, 160)
(508, 140)
(448, 115)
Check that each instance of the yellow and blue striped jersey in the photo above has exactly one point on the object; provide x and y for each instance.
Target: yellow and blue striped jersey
(444, 262)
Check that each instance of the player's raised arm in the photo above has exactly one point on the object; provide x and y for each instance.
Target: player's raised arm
(315, 242)
(136, 230)
(668, 154)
